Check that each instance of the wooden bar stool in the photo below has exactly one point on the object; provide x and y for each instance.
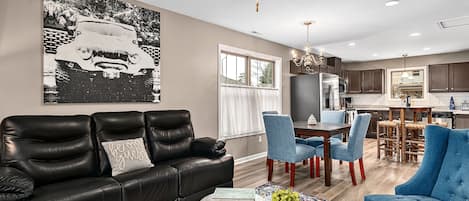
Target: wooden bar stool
(388, 139)
(413, 141)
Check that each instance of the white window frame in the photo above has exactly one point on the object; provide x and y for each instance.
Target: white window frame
(278, 75)
(425, 84)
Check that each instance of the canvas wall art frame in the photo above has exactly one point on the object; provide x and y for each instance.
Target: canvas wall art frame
(100, 51)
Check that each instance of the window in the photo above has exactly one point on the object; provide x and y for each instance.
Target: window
(407, 83)
(262, 73)
(236, 70)
(233, 70)
(249, 85)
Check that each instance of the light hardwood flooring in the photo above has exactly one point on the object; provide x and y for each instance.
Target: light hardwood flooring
(381, 177)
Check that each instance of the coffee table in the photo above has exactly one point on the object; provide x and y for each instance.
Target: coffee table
(264, 193)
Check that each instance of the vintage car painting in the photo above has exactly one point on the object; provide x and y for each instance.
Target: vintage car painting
(104, 63)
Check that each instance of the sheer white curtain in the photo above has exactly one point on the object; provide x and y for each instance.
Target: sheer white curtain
(242, 107)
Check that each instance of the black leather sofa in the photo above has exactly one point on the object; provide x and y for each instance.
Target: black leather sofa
(64, 157)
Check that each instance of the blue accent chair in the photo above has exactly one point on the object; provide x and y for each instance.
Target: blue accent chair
(337, 117)
(444, 172)
(353, 149)
(281, 145)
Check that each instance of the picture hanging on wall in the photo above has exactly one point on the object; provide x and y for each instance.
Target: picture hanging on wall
(100, 51)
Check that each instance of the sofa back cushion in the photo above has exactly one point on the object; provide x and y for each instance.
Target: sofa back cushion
(170, 134)
(49, 148)
(113, 126)
(453, 180)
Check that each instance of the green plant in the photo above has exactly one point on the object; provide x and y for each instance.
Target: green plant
(285, 195)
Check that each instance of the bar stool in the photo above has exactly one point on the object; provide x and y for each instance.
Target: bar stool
(413, 140)
(388, 139)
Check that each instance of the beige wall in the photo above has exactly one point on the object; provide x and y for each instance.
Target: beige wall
(188, 69)
(411, 61)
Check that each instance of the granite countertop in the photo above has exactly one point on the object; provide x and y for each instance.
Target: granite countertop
(386, 108)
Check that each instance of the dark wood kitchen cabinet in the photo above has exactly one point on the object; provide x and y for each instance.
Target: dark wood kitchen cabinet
(449, 77)
(354, 82)
(372, 81)
(458, 77)
(438, 78)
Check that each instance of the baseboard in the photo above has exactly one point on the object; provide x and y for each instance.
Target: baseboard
(250, 158)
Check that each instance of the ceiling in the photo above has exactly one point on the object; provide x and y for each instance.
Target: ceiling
(379, 32)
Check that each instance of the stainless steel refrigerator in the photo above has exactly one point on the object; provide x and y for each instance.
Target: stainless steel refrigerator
(313, 93)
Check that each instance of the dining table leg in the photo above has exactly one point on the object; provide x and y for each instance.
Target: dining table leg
(327, 160)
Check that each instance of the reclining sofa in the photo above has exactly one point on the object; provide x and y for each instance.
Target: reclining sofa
(60, 158)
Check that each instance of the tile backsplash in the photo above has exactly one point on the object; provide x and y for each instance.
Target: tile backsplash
(433, 99)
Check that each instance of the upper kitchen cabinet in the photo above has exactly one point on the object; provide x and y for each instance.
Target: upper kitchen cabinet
(458, 77)
(438, 78)
(449, 77)
(372, 81)
(354, 82)
(365, 82)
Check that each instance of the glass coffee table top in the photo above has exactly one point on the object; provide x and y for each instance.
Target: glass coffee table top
(264, 193)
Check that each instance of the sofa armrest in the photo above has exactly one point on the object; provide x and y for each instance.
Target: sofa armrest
(14, 184)
(422, 183)
(208, 147)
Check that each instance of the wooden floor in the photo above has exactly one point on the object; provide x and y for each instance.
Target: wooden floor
(382, 177)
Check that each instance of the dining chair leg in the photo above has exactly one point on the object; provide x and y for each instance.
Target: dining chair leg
(352, 173)
(286, 167)
(292, 174)
(270, 169)
(318, 172)
(311, 167)
(362, 169)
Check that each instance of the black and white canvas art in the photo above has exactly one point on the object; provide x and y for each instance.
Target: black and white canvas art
(100, 51)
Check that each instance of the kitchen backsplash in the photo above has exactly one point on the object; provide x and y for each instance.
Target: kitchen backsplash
(433, 99)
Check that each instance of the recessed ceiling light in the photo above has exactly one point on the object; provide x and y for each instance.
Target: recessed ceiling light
(427, 48)
(375, 55)
(391, 3)
(415, 34)
(352, 44)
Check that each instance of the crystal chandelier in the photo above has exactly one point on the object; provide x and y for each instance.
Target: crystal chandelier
(308, 60)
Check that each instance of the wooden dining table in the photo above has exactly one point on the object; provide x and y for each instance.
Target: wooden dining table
(325, 130)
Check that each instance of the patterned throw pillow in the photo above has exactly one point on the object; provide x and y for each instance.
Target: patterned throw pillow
(127, 155)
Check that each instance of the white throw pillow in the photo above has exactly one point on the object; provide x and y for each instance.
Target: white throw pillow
(127, 155)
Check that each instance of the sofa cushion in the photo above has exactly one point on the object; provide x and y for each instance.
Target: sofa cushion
(49, 148)
(170, 134)
(453, 180)
(398, 198)
(127, 155)
(84, 189)
(150, 184)
(199, 173)
(112, 126)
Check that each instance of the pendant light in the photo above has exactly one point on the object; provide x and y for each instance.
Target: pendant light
(257, 6)
(405, 74)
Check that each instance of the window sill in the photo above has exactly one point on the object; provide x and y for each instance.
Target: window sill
(242, 135)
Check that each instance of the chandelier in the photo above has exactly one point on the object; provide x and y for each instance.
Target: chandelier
(308, 60)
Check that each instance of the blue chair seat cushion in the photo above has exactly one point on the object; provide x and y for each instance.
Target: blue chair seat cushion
(316, 141)
(399, 198)
(303, 152)
(338, 151)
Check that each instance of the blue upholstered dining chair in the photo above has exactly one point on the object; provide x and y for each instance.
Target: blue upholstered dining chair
(281, 145)
(444, 172)
(353, 149)
(337, 117)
